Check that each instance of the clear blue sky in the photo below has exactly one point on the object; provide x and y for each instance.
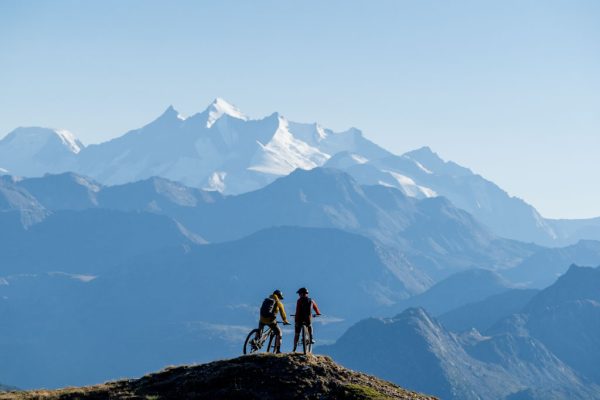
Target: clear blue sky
(510, 89)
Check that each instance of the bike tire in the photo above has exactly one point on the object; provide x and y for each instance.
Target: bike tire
(247, 346)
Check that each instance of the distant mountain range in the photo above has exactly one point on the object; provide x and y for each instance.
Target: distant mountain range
(92, 265)
(221, 149)
(547, 350)
(118, 261)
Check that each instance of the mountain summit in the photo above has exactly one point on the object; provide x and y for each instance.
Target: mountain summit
(34, 151)
(220, 107)
(262, 376)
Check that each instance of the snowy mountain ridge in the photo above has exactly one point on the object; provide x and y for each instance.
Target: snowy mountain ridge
(222, 149)
(219, 148)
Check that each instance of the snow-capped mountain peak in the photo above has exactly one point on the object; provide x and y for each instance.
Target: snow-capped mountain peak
(220, 107)
(34, 151)
(284, 152)
(35, 138)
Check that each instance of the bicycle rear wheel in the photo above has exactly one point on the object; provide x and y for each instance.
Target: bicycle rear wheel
(250, 345)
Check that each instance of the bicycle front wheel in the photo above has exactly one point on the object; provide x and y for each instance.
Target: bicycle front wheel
(250, 344)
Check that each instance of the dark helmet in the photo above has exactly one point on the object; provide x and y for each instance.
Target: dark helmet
(302, 290)
(278, 293)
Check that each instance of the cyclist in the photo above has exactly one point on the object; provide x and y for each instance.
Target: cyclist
(268, 316)
(304, 307)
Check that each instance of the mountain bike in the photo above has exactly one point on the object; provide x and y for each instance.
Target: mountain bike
(305, 337)
(253, 345)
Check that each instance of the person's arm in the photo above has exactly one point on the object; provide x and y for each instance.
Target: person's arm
(282, 311)
(316, 308)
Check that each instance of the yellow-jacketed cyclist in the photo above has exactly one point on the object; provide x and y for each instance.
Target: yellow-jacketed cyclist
(268, 316)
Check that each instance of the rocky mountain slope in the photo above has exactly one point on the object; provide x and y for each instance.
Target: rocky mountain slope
(434, 236)
(467, 190)
(482, 314)
(566, 318)
(415, 351)
(264, 376)
(547, 349)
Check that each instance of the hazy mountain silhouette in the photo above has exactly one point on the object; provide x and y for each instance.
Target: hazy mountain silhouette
(482, 314)
(86, 242)
(457, 290)
(414, 350)
(543, 267)
(547, 349)
(123, 275)
(431, 234)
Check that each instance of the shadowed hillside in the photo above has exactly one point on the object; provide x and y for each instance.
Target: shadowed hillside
(263, 376)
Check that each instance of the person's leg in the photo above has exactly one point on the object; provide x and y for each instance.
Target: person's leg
(261, 326)
(297, 328)
(278, 336)
(310, 334)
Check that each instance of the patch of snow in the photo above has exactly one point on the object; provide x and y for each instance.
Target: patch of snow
(90, 185)
(284, 153)
(321, 132)
(220, 107)
(216, 181)
(69, 140)
(422, 168)
(428, 192)
(409, 186)
(383, 183)
(359, 159)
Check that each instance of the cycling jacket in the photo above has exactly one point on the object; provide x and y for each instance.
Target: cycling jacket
(279, 308)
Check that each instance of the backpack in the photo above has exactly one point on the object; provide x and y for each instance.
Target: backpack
(267, 310)
(304, 305)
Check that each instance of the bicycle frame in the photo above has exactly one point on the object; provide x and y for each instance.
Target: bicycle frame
(253, 344)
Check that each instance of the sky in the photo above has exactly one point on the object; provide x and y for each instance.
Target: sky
(510, 89)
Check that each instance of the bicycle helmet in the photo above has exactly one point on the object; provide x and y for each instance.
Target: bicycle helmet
(278, 293)
(302, 290)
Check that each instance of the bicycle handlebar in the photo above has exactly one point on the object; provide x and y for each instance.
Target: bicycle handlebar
(314, 315)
